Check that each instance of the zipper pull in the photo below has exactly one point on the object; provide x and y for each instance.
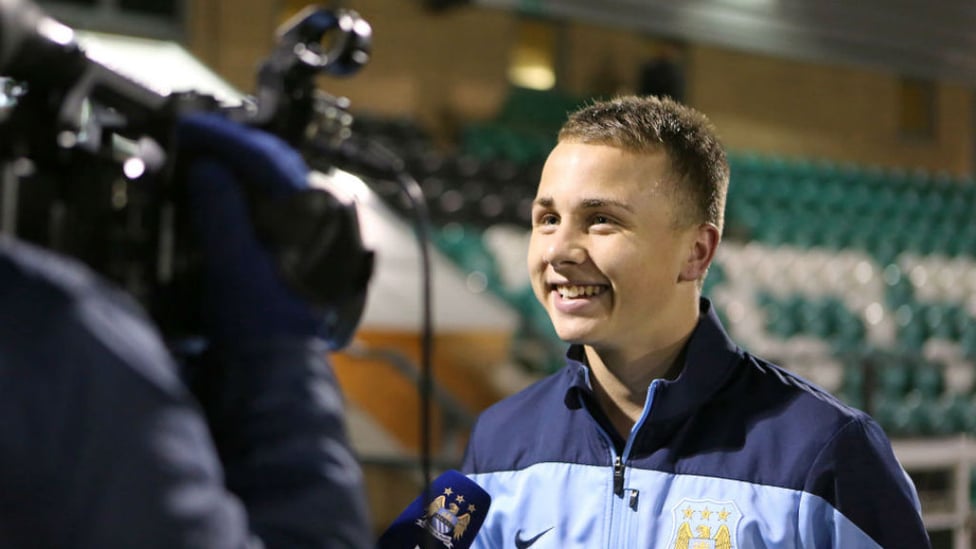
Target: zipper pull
(618, 476)
(634, 494)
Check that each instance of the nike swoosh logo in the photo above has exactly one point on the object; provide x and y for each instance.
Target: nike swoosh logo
(526, 543)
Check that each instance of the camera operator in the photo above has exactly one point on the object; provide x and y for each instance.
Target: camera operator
(107, 440)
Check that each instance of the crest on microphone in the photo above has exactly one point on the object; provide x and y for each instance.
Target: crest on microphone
(447, 517)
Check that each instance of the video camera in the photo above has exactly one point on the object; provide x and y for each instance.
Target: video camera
(88, 164)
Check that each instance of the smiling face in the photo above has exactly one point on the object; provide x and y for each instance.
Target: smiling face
(606, 258)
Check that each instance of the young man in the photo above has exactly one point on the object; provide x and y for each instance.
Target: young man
(659, 431)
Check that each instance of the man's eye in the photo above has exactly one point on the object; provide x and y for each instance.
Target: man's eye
(548, 219)
(600, 220)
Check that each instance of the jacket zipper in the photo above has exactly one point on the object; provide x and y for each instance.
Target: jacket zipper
(618, 476)
(618, 461)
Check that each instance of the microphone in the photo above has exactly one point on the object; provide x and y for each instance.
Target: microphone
(451, 516)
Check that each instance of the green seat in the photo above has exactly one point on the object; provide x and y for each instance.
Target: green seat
(815, 318)
(856, 203)
(901, 417)
(893, 381)
(745, 164)
(911, 416)
(852, 390)
(952, 414)
(465, 246)
(849, 331)
(782, 315)
(928, 380)
(716, 277)
(912, 337)
(967, 339)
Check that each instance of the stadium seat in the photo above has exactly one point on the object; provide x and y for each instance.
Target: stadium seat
(464, 245)
(927, 380)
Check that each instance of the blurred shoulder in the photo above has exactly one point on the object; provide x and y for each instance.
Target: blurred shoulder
(58, 314)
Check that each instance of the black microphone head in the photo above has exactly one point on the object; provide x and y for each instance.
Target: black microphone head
(449, 516)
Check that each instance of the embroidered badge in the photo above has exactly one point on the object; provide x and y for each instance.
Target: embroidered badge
(443, 519)
(704, 524)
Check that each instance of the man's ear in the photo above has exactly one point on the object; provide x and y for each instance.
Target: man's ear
(700, 252)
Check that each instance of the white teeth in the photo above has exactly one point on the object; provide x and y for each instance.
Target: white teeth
(573, 291)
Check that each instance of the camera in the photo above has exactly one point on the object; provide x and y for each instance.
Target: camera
(89, 168)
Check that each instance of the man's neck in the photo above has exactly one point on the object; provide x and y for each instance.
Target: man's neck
(621, 383)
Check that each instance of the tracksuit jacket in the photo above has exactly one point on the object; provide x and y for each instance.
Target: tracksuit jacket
(735, 453)
(103, 444)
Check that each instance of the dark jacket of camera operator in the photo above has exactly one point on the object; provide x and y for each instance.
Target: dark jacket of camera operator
(104, 445)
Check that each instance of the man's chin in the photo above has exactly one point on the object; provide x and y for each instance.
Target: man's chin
(576, 337)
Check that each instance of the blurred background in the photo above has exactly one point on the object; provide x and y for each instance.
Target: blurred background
(850, 248)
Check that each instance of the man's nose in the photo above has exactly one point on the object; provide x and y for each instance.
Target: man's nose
(565, 246)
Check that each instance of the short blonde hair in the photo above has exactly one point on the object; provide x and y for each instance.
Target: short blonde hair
(649, 124)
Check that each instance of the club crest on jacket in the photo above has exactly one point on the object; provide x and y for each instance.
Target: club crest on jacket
(704, 524)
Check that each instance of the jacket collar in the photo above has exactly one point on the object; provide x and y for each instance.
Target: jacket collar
(709, 359)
